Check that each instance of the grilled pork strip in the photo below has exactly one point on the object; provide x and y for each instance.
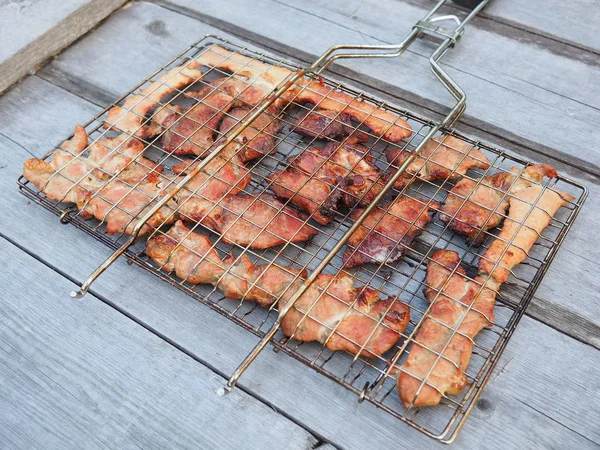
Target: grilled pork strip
(530, 210)
(321, 124)
(473, 207)
(192, 257)
(443, 158)
(455, 300)
(388, 231)
(267, 78)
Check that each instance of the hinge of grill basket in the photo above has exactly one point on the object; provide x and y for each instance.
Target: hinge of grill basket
(432, 27)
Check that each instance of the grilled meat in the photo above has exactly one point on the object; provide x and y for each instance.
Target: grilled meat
(321, 124)
(260, 222)
(335, 313)
(473, 207)
(359, 317)
(443, 158)
(119, 205)
(458, 303)
(318, 180)
(101, 184)
(218, 178)
(257, 140)
(62, 178)
(388, 231)
(267, 78)
(530, 210)
(130, 117)
(193, 133)
(381, 122)
(192, 257)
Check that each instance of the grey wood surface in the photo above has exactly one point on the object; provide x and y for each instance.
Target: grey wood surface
(538, 360)
(545, 392)
(575, 22)
(106, 75)
(82, 375)
(35, 30)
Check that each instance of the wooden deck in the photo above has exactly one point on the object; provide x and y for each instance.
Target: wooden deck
(136, 364)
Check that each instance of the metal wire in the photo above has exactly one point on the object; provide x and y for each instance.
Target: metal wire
(371, 377)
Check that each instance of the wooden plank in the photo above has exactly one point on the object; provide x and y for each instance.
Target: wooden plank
(129, 31)
(297, 390)
(574, 22)
(504, 91)
(35, 30)
(82, 375)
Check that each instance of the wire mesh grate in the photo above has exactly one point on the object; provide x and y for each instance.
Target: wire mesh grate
(372, 377)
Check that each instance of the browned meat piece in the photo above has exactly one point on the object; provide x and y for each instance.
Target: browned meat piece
(193, 133)
(120, 205)
(220, 177)
(260, 222)
(255, 141)
(473, 207)
(130, 117)
(321, 124)
(192, 257)
(387, 232)
(344, 317)
(101, 183)
(121, 156)
(381, 122)
(244, 94)
(530, 210)
(267, 78)
(455, 300)
(319, 179)
(67, 177)
(318, 198)
(69, 173)
(443, 158)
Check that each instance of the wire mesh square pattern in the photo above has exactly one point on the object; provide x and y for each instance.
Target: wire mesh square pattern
(371, 377)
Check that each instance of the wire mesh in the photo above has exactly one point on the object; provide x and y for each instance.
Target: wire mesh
(372, 377)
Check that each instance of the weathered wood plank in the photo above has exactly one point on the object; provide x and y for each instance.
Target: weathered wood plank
(507, 82)
(297, 390)
(35, 30)
(82, 375)
(574, 22)
(130, 31)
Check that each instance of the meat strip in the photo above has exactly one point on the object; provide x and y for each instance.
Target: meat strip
(257, 140)
(243, 219)
(443, 158)
(345, 317)
(194, 131)
(381, 122)
(267, 78)
(530, 210)
(130, 117)
(474, 206)
(319, 180)
(321, 124)
(388, 231)
(113, 183)
(455, 299)
(192, 257)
